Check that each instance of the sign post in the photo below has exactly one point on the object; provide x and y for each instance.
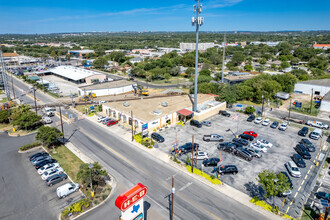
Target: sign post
(131, 203)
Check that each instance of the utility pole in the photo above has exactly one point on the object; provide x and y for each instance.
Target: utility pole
(199, 22)
(262, 109)
(192, 154)
(12, 84)
(172, 199)
(289, 110)
(61, 121)
(35, 100)
(223, 59)
(310, 111)
(132, 126)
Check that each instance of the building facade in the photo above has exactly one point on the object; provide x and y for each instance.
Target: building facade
(318, 87)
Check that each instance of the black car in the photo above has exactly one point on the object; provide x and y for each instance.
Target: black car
(56, 178)
(323, 195)
(299, 160)
(43, 163)
(195, 123)
(243, 153)
(241, 141)
(274, 124)
(246, 137)
(251, 118)
(38, 155)
(224, 113)
(309, 145)
(237, 144)
(286, 193)
(303, 151)
(227, 147)
(228, 169)
(211, 162)
(303, 131)
(157, 137)
(187, 147)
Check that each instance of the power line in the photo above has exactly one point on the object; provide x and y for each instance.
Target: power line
(4, 76)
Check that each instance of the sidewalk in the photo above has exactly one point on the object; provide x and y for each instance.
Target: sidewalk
(231, 192)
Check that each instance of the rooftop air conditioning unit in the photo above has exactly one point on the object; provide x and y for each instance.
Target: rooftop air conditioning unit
(126, 104)
(157, 112)
(164, 104)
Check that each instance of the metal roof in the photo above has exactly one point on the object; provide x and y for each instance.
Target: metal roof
(73, 73)
(108, 85)
(319, 82)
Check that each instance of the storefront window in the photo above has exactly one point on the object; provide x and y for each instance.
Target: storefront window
(114, 114)
(124, 118)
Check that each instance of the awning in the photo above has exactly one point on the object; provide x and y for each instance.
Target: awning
(185, 112)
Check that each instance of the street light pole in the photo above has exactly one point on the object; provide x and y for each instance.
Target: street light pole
(90, 166)
(289, 111)
(262, 109)
(172, 200)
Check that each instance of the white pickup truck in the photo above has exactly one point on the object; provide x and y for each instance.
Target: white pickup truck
(317, 124)
(213, 137)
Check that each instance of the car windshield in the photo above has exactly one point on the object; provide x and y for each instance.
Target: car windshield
(295, 169)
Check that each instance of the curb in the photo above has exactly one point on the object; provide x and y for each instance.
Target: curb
(27, 151)
(11, 135)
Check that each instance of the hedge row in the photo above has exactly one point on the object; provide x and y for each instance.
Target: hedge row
(30, 146)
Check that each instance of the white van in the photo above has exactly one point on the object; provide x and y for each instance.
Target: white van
(67, 189)
(316, 134)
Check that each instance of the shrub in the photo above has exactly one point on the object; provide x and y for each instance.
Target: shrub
(76, 207)
(250, 110)
(96, 202)
(202, 174)
(104, 196)
(261, 203)
(30, 146)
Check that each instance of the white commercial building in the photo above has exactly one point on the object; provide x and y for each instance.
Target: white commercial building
(108, 88)
(192, 46)
(319, 87)
(325, 103)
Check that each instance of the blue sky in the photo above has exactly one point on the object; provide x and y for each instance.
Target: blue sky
(50, 16)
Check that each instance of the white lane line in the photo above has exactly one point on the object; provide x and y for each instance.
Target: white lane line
(185, 186)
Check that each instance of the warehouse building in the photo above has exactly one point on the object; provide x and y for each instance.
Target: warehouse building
(107, 88)
(325, 103)
(318, 87)
(80, 53)
(192, 46)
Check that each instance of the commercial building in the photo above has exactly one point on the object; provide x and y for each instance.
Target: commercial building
(321, 46)
(192, 46)
(107, 88)
(237, 77)
(80, 53)
(151, 114)
(78, 75)
(325, 103)
(318, 87)
(268, 43)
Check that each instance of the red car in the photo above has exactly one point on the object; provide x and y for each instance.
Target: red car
(251, 133)
(112, 122)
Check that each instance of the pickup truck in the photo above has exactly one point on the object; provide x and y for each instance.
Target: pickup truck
(213, 137)
(317, 124)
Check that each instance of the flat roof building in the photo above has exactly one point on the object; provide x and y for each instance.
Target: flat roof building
(107, 88)
(80, 53)
(318, 86)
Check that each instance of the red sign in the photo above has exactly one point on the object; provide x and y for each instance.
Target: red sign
(131, 196)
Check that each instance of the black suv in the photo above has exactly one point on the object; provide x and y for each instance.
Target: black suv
(43, 163)
(187, 147)
(303, 131)
(251, 118)
(241, 141)
(157, 137)
(228, 169)
(309, 145)
(299, 160)
(303, 151)
(274, 124)
(41, 154)
(224, 113)
(246, 137)
(211, 162)
(56, 178)
(227, 147)
(195, 123)
(243, 153)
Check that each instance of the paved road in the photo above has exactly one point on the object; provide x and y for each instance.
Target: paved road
(129, 166)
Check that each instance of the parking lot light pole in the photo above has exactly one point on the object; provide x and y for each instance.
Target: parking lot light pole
(192, 154)
(262, 108)
(289, 111)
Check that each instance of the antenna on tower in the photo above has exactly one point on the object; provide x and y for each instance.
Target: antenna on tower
(4, 76)
(223, 58)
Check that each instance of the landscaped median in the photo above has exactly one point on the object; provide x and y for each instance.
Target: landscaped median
(147, 142)
(198, 172)
(30, 146)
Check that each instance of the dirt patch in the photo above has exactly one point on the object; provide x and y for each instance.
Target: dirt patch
(295, 96)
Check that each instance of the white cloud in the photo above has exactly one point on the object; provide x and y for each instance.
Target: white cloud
(222, 3)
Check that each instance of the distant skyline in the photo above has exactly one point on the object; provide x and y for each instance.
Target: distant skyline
(48, 16)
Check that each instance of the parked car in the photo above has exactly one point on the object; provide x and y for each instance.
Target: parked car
(303, 151)
(283, 126)
(56, 178)
(241, 141)
(298, 160)
(195, 123)
(293, 169)
(243, 153)
(307, 144)
(157, 137)
(246, 137)
(112, 122)
(39, 159)
(274, 124)
(251, 133)
(47, 167)
(316, 134)
(258, 120)
(288, 192)
(99, 119)
(51, 172)
(258, 147)
(237, 145)
(213, 137)
(251, 118)
(38, 155)
(67, 189)
(303, 132)
(211, 162)
(255, 152)
(187, 147)
(264, 143)
(224, 113)
(207, 123)
(227, 147)
(200, 155)
(228, 169)
(44, 162)
(323, 195)
(266, 122)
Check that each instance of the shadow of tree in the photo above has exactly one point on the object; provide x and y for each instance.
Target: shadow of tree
(255, 190)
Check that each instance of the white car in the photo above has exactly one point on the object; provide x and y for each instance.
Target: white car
(283, 126)
(258, 120)
(100, 119)
(67, 189)
(293, 169)
(47, 167)
(264, 143)
(51, 172)
(201, 155)
(258, 147)
(266, 122)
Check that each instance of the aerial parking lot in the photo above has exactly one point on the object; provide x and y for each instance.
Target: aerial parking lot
(283, 148)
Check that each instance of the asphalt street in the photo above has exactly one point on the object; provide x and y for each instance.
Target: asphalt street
(193, 200)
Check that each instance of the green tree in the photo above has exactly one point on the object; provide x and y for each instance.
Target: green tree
(204, 79)
(53, 54)
(285, 64)
(167, 76)
(248, 67)
(49, 135)
(190, 71)
(263, 61)
(175, 71)
(287, 81)
(205, 72)
(273, 66)
(250, 110)
(4, 116)
(100, 63)
(238, 58)
(97, 173)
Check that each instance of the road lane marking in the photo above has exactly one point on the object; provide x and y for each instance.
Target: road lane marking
(287, 210)
(295, 195)
(306, 176)
(185, 186)
(299, 188)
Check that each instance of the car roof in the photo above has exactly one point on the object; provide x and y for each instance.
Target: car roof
(292, 164)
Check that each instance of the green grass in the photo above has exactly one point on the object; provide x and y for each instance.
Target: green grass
(308, 214)
(246, 102)
(55, 95)
(202, 174)
(68, 161)
(3, 100)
